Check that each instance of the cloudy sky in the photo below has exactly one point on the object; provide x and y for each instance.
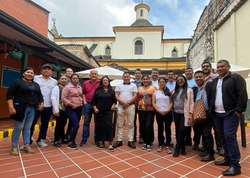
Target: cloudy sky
(86, 18)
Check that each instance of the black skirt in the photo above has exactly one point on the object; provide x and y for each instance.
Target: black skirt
(103, 126)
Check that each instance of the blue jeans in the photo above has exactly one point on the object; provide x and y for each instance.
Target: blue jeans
(88, 111)
(74, 116)
(227, 126)
(24, 126)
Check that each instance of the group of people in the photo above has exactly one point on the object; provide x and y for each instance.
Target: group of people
(166, 99)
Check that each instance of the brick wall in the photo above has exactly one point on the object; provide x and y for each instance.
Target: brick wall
(27, 13)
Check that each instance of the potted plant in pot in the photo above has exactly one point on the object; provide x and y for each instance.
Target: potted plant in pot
(15, 51)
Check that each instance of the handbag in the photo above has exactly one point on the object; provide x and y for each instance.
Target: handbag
(199, 110)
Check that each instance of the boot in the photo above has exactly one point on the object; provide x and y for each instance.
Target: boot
(28, 149)
(14, 151)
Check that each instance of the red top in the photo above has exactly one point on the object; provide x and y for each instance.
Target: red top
(88, 88)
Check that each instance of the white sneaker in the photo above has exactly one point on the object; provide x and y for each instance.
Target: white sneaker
(42, 143)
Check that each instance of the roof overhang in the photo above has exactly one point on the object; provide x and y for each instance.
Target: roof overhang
(12, 29)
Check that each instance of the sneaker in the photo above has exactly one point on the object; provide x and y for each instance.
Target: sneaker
(148, 148)
(83, 142)
(14, 151)
(72, 146)
(65, 141)
(144, 147)
(42, 144)
(28, 149)
(57, 144)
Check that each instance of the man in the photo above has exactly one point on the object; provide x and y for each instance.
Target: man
(46, 83)
(206, 127)
(88, 90)
(68, 73)
(138, 83)
(191, 83)
(171, 83)
(210, 76)
(227, 102)
(125, 94)
(189, 73)
(155, 77)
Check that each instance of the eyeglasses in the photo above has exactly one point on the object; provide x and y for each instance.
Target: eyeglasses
(207, 66)
(155, 69)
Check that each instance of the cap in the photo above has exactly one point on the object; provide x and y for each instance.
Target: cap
(46, 65)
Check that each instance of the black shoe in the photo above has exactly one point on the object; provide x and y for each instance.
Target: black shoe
(83, 142)
(176, 153)
(57, 144)
(117, 144)
(222, 163)
(97, 143)
(220, 151)
(202, 154)
(207, 158)
(183, 152)
(232, 171)
(72, 146)
(188, 142)
(64, 141)
(195, 147)
(132, 145)
(202, 149)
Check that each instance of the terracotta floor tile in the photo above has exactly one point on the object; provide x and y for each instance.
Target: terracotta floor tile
(37, 169)
(135, 161)
(193, 164)
(49, 174)
(82, 159)
(79, 175)
(199, 174)
(133, 172)
(119, 166)
(149, 157)
(163, 162)
(149, 168)
(213, 170)
(12, 174)
(138, 152)
(61, 164)
(35, 156)
(68, 171)
(75, 154)
(100, 172)
(90, 165)
(29, 163)
(124, 156)
(180, 169)
(8, 167)
(165, 173)
(101, 154)
(109, 160)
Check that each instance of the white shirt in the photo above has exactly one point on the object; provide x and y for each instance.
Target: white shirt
(126, 91)
(46, 88)
(155, 83)
(219, 108)
(162, 101)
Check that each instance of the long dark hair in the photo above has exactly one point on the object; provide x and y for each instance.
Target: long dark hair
(166, 90)
(148, 79)
(177, 88)
(101, 85)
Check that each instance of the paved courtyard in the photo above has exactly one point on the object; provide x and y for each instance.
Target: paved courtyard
(90, 161)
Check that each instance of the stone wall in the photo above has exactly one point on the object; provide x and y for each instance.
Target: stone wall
(202, 44)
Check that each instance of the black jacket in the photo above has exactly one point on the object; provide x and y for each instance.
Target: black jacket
(20, 93)
(234, 94)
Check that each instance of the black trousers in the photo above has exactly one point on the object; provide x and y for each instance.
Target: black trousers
(146, 120)
(180, 131)
(164, 125)
(60, 124)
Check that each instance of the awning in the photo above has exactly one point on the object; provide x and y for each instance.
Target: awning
(12, 29)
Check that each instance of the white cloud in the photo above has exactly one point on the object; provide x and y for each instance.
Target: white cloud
(88, 17)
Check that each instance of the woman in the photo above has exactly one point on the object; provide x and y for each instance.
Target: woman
(23, 98)
(146, 111)
(59, 111)
(72, 99)
(104, 103)
(163, 104)
(183, 112)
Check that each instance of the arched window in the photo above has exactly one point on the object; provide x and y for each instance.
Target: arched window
(141, 13)
(174, 53)
(138, 47)
(107, 50)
